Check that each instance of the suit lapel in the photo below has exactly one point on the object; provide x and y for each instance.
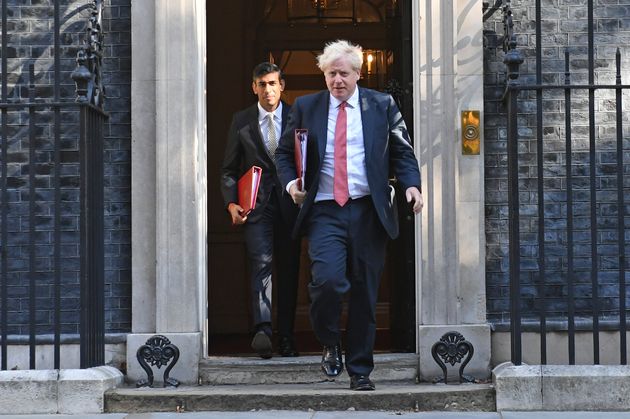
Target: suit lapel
(257, 137)
(285, 114)
(254, 129)
(367, 122)
(321, 114)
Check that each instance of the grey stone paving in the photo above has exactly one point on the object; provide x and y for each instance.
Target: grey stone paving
(338, 415)
(565, 415)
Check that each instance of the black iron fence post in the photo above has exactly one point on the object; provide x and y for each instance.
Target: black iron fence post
(92, 264)
(90, 96)
(513, 59)
(4, 197)
(621, 240)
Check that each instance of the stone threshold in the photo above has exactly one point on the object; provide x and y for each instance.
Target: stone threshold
(321, 396)
(299, 370)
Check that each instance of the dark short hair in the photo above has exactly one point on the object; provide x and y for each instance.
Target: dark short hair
(265, 68)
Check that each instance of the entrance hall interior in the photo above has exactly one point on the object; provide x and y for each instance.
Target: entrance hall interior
(291, 33)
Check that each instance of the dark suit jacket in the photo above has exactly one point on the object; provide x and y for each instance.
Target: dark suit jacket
(246, 148)
(388, 150)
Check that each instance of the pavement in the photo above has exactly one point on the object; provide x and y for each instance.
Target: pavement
(290, 414)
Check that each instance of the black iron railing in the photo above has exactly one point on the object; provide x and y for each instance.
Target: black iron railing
(51, 202)
(572, 272)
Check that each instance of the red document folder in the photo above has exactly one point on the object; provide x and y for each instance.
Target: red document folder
(248, 189)
(301, 137)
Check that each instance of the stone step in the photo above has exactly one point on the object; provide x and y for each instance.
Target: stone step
(251, 383)
(300, 370)
(322, 396)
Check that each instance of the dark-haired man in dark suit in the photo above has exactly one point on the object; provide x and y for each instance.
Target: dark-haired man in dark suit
(356, 140)
(252, 141)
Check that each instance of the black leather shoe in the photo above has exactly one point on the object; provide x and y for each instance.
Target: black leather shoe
(361, 383)
(332, 364)
(286, 347)
(262, 345)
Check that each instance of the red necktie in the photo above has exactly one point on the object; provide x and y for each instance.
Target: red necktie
(340, 180)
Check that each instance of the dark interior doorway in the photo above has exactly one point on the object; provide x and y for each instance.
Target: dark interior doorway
(291, 33)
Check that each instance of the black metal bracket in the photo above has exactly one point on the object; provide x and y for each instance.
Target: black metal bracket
(452, 348)
(88, 74)
(157, 351)
(488, 10)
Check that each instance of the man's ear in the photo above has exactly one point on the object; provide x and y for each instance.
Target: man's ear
(282, 85)
(254, 88)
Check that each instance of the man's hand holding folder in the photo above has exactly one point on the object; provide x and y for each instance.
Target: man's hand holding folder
(236, 211)
(296, 190)
(247, 194)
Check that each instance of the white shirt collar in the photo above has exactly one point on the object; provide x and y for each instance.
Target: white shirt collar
(262, 113)
(353, 101)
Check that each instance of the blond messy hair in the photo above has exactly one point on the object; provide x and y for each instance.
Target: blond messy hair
(341, 49)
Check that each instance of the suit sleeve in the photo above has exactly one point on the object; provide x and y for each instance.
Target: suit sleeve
(231, 168)
(403, 162)
(285, 153)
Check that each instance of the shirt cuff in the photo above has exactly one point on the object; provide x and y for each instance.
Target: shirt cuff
(291, 184)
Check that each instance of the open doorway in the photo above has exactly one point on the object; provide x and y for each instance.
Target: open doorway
(291, 33)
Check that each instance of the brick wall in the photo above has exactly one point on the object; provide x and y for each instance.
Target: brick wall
(30, 27)
(564, 27)
(117, 77)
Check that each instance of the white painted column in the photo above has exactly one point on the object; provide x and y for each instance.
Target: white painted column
(448, 54)
(143, 167)
(169, 180)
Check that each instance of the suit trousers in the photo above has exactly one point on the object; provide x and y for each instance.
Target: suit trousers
(347, 250)
(268, 240)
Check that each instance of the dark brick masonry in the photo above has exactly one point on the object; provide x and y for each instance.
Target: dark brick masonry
(117, 27)
(30, 28)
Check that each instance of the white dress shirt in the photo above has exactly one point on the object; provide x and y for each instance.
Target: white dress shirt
(355, 149)
(263, 122)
